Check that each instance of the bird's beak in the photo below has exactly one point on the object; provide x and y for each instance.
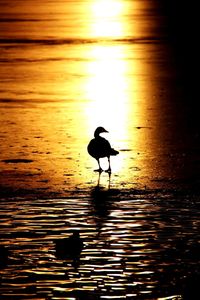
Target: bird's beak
(106, 130)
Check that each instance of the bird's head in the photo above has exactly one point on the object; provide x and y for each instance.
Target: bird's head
(99, 130)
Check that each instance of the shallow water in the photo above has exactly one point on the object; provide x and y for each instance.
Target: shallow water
(138, 244)
(67, 67)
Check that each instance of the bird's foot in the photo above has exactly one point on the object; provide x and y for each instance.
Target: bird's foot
(108, 171)
(100, 170)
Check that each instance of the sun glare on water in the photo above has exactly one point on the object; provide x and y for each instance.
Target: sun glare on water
(106, 86)
(110, 85)
(106, 14)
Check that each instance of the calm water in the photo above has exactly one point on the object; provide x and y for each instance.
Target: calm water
(67, 67)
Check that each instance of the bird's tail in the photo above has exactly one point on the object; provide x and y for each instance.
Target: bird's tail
(114, 152)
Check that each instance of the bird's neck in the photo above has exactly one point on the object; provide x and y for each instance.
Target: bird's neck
(96, 135)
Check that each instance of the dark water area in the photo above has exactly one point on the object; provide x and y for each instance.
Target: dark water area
(67, 67)
(181, 27)
(181, 30)
(138, 244)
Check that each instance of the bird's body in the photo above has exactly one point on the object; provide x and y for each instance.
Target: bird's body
(3, 256)
(69, 247)
(99, 147)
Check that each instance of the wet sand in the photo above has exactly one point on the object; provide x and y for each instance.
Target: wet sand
(45, 154)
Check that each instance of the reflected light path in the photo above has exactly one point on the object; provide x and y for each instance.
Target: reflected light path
(106, 89)
(107, 92)
(107, 14)
(107, 86)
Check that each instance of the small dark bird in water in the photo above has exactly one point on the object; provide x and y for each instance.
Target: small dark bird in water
(69, 248)
(3, 256)
(99, 147)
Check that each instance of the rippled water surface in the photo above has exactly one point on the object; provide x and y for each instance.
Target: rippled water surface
(67, 67)
(137, 245)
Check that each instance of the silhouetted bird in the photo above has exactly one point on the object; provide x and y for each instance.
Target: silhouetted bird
(3, 256)
(69, 247)
(99, 147)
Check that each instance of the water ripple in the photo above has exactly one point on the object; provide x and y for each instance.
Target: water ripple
(136, 246)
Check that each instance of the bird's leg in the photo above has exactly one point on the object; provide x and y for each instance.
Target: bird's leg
(109, 174)
(98, 181)
(99, 169)
(109, 167)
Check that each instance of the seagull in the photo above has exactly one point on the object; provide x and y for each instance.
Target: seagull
(99, 147)
(69, 247)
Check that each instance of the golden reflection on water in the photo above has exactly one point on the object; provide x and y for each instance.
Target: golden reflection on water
(107, 84)
(106, 89)
(107, 15)
(98, 78)
(109, 89)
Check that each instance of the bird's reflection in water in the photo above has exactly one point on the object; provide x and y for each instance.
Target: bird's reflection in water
(102, 200)
(99, 180)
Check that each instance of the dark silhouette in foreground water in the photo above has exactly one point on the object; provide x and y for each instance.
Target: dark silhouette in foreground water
(3, 256)
(69, 248)
(99, 147)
